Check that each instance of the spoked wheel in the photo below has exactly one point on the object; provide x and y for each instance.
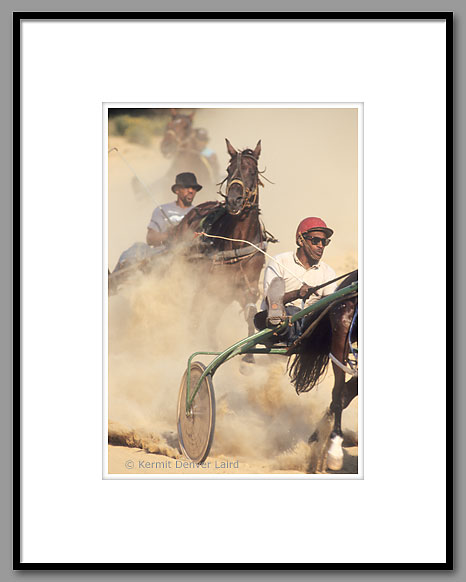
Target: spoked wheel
(196, 427)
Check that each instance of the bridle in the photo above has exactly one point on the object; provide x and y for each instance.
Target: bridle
(248, 196)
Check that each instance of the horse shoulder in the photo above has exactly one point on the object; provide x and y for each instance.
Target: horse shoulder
(192, 219)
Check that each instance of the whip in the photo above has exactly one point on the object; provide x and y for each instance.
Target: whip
(140, 181)
(131, 168)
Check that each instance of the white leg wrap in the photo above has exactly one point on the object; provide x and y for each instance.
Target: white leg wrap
(335, 454)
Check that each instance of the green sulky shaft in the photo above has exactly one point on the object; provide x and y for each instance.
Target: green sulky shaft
(246, 345)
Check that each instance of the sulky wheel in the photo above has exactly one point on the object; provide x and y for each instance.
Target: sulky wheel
(196, 428)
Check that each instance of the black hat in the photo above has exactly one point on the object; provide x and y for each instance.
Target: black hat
(186, 180)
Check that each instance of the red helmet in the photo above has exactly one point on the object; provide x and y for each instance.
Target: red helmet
(312, 223)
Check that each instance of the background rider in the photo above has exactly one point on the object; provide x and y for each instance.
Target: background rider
(200, 143)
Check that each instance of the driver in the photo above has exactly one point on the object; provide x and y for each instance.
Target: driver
(171, 214)
(291, 277)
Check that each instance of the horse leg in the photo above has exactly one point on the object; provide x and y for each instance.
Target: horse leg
(341, 319)
(326, 451)
(199, 305)
(321, 439)
(350, 391)
(213, 313)
(250, 311)
(319, 443)
(335, 451)
(247, 302)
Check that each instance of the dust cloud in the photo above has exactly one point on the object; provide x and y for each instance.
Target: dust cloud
(311, 156)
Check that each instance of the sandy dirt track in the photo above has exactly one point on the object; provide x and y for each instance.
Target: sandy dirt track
(124, 460)
(262, 426)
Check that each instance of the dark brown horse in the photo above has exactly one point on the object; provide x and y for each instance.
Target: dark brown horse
(233, 267)
(180, 144)
(177, 133)
(332, 336)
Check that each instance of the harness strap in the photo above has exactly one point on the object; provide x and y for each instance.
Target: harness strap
(350, 335)
(346, 369)
(236, 253)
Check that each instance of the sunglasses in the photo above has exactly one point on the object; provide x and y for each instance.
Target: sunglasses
(315, 240)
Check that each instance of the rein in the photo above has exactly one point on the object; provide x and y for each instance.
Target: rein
(238, 252)
(346, 369)
(273, 258)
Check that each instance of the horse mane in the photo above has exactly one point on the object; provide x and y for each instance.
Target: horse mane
(311, 354)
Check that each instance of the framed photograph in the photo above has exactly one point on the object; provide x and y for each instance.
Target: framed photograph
(192, 229)
(174, 172)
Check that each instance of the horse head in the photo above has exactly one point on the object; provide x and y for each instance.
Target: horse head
(242, 181)
(177, 132)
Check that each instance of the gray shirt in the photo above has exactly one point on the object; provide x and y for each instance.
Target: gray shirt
(167, 215)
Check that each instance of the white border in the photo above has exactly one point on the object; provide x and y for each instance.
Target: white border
(397, 513)
(105, 473)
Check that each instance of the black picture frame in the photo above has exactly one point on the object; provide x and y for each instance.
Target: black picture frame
(18, 17)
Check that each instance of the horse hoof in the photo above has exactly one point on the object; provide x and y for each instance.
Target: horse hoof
(335, 454)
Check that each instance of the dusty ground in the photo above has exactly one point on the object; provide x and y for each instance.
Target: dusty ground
(124, 460)
(262, 425)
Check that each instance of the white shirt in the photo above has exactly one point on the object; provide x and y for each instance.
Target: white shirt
(286, 265)
(167, 215)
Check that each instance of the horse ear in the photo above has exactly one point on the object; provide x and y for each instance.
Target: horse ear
(257, 152)
(191, 115)
(173, 112)
(231, 149)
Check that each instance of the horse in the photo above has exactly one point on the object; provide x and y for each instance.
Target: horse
(332, 333)
(177, 133)
(234, 266)
(180, 144)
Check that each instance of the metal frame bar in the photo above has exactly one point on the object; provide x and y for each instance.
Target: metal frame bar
(246, 345)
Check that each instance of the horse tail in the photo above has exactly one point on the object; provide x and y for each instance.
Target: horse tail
(311, 356)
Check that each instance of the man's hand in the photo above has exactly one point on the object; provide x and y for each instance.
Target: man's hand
(303, 293)
(155, 238)
(306, 291)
